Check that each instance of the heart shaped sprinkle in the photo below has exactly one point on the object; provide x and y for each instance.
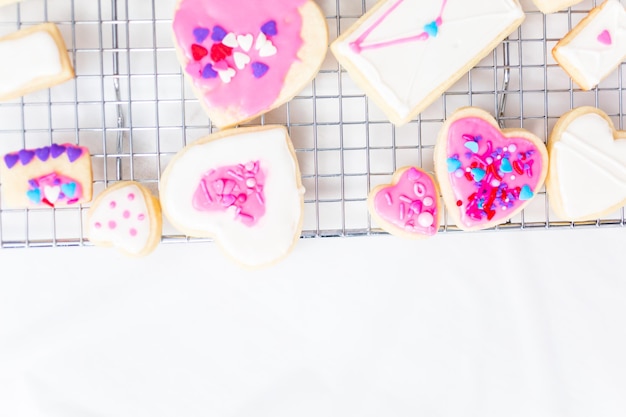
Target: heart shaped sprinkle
(245, 41)
(259, 69)
(10, 160)
(432, 29)
(26, 156)
(52, 193)
(73, 153)
(43, 153)
(605, 38)
(198, 52)
(200, 34)
(269, 28)
(57, 150)
(219, 51)
(230, 40)
(241, 60)
(218, 33)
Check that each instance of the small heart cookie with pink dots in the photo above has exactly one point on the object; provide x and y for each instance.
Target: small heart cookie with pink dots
(126, 216)
(246, 58)
(409, 206)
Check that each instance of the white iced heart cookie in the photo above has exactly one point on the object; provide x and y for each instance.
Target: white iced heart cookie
(241, 187)
(406, 53)
(551, 6)
(126, 216)
(587, 176)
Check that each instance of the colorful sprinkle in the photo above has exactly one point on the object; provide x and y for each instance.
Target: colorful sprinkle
(200, 34)
(43, 153)
(472, 146)
(526, 193)
(57, 150)
(218, 33)
(10, 160)
(259, 69)
(73, 153)
(112, 225)
(208, 72)
(453, 164)
(198, 51)
(26, 156)
(269, 28)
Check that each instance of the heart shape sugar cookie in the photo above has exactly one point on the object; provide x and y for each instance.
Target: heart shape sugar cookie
(409, 206)
(126, 216)
(487, 175)
(241, 187)
(245, 58)
(587, 177)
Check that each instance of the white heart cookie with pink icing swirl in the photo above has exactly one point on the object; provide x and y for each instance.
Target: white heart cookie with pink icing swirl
(246, 58)
(241, 187)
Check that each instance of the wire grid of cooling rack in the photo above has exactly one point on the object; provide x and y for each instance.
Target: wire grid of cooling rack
(130, 105)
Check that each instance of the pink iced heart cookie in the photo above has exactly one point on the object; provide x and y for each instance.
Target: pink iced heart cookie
(241, 187)
(126, 216)
(409, 207)
(246, 58)
(487, 175)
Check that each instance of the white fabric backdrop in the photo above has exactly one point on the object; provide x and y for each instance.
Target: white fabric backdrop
(484, 324)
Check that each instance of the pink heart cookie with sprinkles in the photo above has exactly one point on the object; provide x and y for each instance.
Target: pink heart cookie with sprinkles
(126, 216)
(487, 175)
(409, 206)
(241, 187)
(245, 58)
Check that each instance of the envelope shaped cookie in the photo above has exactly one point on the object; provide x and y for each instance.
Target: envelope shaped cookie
(246, 58)
(587, 177)
(594, 47)
(551, 6)
(125, 216)
(409, 206)
(241, 187)
(406, 53)
(33, 59)
(487, 175)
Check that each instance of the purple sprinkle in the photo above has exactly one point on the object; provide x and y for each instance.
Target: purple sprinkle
(208, 72)
(43, 153)
(219, 33)
(200, 34)
(73, 153)
(26, 156)
(259, 69)
(269, 28)
(33, 183)
(57, 150)
(11, 160)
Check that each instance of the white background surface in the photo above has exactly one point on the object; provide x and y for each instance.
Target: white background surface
(483, 324)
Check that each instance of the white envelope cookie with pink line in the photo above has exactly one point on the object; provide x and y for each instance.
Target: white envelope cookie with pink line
(595, 47)
(241, 187)
(587, 176)
(406, 53)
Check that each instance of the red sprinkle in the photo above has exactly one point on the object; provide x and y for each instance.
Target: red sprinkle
(219, 51)
(198, 52)
(517, 166)
(459, 203)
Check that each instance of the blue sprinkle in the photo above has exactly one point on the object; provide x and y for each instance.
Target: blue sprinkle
(219, 33)
(526, 193)
(478, 174)
(34, 196)
(259, 69)
(200, 34)
(269, 28)
(69, 189)
(472, 146)
(506, 166)
(432, 29)
(208, 72)
(453, 164)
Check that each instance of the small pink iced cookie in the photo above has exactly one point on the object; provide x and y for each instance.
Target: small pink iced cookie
(244, 57)
(409, 207)
(487, 175)
(241, 187)
(126, 216)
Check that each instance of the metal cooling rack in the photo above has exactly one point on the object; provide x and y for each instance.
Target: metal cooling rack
(130, 105)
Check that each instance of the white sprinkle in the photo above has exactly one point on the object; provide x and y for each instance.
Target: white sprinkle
(489, 160)
(405, 199)
(428, 202)
(458, 173)
(495, 183)
(250, 183)
(512, 177)
(512, 148)
(388, 198)
(419, 189)
(401, 211)
(425, 219)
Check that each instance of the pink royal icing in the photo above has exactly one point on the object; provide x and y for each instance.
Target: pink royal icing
(238, 188)
(239, 51)
(490, 175)
(410, 204)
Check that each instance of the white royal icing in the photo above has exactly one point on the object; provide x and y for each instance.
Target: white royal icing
(273, 235)
(407, 73)
(122, 219)
(590, 167)
(599, 47)
(551, 6)
(27, 58)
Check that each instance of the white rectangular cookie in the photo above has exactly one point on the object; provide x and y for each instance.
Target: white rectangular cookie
(595, 46)
(551, 6)
(33, 59)
(406, 53)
